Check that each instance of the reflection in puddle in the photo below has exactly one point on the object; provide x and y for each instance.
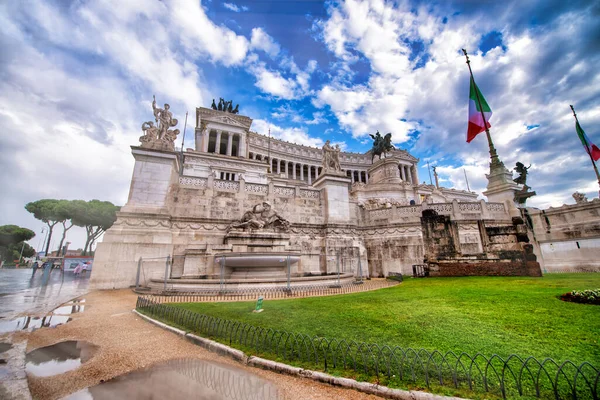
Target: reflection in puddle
(183, 379)
(72, 307)
(32, 323)
(4, 347)
(58, 358)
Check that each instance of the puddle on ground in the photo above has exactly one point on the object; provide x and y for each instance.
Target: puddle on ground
(32, 323)
(5, 347)
(183, 379)
(72, 307)
(58, 358)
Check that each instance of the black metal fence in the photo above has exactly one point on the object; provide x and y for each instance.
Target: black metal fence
(506, 377)
(275, 292)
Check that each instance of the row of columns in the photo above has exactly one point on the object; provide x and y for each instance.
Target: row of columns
(313, 171)
(408, 173)
(358, 176)
(219, 135)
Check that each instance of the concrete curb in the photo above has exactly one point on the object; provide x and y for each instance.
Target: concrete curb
(365, 387)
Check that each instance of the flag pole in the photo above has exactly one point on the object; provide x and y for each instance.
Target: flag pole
(588, 150)
(429, 170)
(493, 153)
(467, 179)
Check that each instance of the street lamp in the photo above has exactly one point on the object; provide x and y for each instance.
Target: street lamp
(38, 246)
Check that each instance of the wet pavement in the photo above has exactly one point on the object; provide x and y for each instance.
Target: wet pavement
(27, 301)
(183, 379)
(58, 358)
(36, 294)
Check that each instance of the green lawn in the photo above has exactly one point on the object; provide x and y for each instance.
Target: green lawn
(489, 315)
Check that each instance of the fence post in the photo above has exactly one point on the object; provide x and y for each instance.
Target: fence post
(137, 277)
(166, 271)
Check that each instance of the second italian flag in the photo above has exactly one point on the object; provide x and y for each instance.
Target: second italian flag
(477, 107)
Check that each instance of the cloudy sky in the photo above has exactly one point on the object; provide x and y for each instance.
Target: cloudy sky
(77, 79)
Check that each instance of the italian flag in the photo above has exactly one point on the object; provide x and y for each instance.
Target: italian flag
(476, 124)
(589, 147)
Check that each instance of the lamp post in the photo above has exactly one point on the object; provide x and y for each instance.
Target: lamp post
(40, 241)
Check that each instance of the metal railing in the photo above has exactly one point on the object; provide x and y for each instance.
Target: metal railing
(420, 270)
(275, 292)
(506, 377)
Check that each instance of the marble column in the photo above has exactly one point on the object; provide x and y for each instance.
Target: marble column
(294, 170)
(229, 143)
(206, 134)
(310, 167)
(366, 176)
(402, 172)
(414, 175)
(218, 143)
(278, 167)
(302, 172)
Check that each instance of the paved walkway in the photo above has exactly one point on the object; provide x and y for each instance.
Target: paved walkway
(128, 343)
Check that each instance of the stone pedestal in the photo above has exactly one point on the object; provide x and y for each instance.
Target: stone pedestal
(336, 197)
(143, 226)
(153, 173)
(257, 241)
(385, 171)
(501, 188)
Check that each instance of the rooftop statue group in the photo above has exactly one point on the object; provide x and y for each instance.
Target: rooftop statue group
(381, 145)
(331, 157)
(160, 137)
(261, 216)
(226, 106)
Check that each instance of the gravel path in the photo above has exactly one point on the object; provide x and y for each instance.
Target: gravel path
(128, 343)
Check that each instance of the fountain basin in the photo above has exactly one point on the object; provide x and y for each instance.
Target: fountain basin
(256, 260)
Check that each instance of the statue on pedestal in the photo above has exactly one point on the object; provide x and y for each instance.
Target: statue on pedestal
(580, 198)
(161, 137)
(331, 158)
(522, 195)
(381, 145)
(522, 171)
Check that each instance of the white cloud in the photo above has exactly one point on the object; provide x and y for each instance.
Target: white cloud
(292, 135)
(260, 40)
(201, 36)
(273, 83)
(235, 8)
(287, 113)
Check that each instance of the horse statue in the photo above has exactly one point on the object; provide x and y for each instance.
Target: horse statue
(381, 145)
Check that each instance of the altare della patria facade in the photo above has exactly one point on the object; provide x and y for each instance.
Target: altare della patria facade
(256, 211)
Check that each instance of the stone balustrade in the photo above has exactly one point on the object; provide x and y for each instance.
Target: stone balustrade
(458, 211)
(249, 188)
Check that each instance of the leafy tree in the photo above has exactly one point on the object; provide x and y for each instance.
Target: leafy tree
(96, 217)
(12, 234)
(46, 211)
(12, 240)
(65, 210)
